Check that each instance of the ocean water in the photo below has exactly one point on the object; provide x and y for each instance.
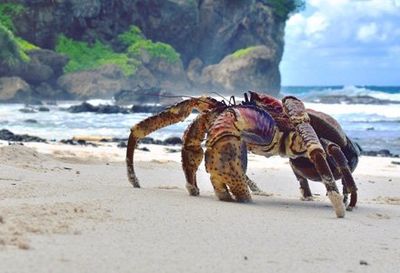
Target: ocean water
(373, 126)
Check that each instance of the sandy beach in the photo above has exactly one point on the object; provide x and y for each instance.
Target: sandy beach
(70, 208)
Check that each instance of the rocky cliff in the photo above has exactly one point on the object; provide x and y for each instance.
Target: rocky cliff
(214, 39)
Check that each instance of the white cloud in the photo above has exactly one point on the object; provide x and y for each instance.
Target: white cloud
(345, 20)
(346, 32)
(315, 24)
(295, 26)
(367, 32)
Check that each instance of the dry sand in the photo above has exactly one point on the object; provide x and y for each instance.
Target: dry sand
(71, 209)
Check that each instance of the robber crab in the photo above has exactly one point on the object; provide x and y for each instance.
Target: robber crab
(316, 145)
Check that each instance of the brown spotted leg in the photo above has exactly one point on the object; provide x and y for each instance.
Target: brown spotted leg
(294, 108)
(192, 152)
(171, 115)
(226, 165)
(305, 190)
(340, 161)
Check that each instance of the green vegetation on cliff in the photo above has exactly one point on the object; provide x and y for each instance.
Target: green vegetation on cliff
(84, 56)
(284, 8)
(7, 13)
(243, 52)
(135, 42)
(11, 51)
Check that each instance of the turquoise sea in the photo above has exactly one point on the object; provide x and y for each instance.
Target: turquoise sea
(374, 126)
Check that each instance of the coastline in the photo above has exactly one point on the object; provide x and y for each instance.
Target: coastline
(70, 208)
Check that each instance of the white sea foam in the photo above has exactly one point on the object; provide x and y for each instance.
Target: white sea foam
(373, 126)
(360, 112)
(348, 91)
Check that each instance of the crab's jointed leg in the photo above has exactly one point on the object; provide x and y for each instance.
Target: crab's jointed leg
(171, 115)
(254, 188)
(226, 155)
(305, 190)
(294, 108)
(192, 152)
(340, 162)
(224, 162)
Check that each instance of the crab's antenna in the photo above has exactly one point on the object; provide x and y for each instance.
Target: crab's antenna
(246, 98)
(219, 95)
(232, 98)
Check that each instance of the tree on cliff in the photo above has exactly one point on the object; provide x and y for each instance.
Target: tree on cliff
(284, 8)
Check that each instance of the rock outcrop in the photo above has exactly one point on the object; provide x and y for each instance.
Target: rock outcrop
(206, 29)
(39, 74)
(104, 83)
(13, 88)
(205, 33)
(253, 69)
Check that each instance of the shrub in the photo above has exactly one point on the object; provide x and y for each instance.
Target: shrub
(10, 50)
(25, 45)
(131, 36)
(83, 56)
(7, 12)
(243, 52)
(135, 42)
(284, 8)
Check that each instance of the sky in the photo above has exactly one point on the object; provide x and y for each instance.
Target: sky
(343, 42)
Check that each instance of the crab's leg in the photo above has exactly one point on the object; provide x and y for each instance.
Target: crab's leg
(192, 152)
(295, 109)
(254, 188)
(171, 115)
(340, 161)
(226, 159)
(226, 155)
(306, 194)
(226, 164)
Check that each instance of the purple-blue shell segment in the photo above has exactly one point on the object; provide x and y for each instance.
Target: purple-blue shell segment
(258, 126)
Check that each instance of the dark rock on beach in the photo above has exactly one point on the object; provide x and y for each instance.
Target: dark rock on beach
(32, 121)
(380, 153)
(147, 108)
(78, 142)
(83, 107)
(115, 139)
(27, 110)
(173, 141)
(101, 109)
(10, 136)
(43, 109)
(122, 144)
(140, 95)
